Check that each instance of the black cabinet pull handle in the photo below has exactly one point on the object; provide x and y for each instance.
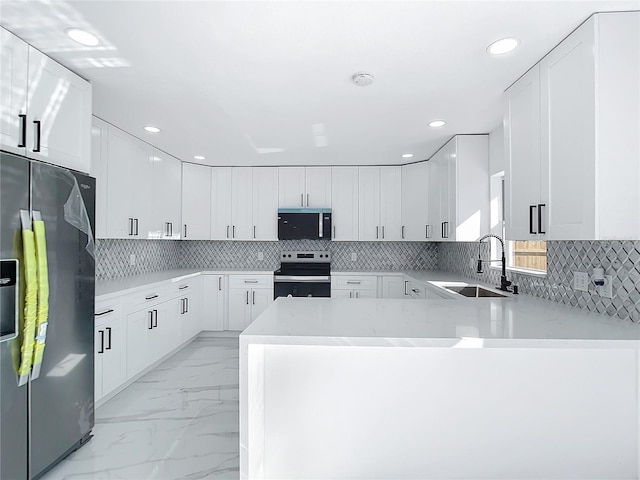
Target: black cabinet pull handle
(247, 297)
(101, 341)
(104, 313)
(151, 297)
(136, 222)
(302, 199)
(109, 340)
(227, 231)
(254, 231)
(155, 318)
(426, 231)
(540, 231)
(442, 230)
(130, 226)
(37, 124)
(150, 327)
(220, 283)
(403, 231)
(446, 229)
(182, 306)
(531, 230)
(233, 231)
(186, 300)
(253, 294)
(406, 284)
(377, 230)
(23, 131)
(185, 230)
(183, 287)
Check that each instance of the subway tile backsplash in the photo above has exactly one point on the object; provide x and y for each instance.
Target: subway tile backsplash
(619, 258)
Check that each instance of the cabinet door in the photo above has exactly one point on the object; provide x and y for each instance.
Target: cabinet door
(415, 201)
(140, 346)
(369, 203)
(344, 203)
(433, 230)
(568, 109)
(114, 367)
(121, 153)
(394, 287)
(196, 202)
(213, 288)
(265, 203)
(61, 101)
(341, 293)
(97, 363)
(99, 170)
(391, 203)
(260, 300)
(187, 317)
(141, 188)
(221, 203)
(14, 58)
(358, 293)
(291, 187)
(318, 187)
(167, 196)
(522, 156)
(444, 164)
(239, 308)
(242, 203)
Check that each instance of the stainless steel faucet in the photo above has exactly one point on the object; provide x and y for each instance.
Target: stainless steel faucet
(504, 283)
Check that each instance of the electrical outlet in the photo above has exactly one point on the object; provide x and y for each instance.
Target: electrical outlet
(354, 257)
(260, 256)
(581, 281)
(606, 290)
(132, 259)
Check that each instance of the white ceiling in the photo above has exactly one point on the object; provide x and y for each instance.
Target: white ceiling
(269, 83)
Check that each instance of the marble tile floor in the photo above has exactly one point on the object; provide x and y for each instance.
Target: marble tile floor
(179, 421)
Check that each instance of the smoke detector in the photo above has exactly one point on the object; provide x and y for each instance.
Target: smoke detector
(362, 79)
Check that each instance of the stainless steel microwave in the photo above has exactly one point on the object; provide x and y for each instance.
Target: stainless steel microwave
(304, 223)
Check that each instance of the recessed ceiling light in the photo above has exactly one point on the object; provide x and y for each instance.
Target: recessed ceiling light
(407, 155)
(198, 157)
(503, 46)
(151, 129)
(84, 38)
(437, 123)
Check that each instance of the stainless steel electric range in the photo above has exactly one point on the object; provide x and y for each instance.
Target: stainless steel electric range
(303, 274)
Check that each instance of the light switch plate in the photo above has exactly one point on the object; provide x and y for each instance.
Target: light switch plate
(581, 281)
(132, 259)
(606, 290)
(354, 257)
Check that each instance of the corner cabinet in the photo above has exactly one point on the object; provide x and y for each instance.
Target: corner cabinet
(459, 190)
(589, 118)
(31, 84)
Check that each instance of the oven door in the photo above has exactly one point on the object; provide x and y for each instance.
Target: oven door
(294, 286)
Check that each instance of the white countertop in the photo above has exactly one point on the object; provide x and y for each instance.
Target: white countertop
(127, 284)
(517, 321)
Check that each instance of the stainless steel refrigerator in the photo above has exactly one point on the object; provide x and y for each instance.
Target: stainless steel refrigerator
(50, 416)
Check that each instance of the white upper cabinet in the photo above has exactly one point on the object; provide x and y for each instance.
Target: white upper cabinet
(221, 203)
(167, 196)
(459, 193)
(196, 202)
(523, 201)
(265, 203)
(46, 108)
(304, 187)
(128, 186)
(14, 68)
(588, 137)
(242, 203)
(380, 203)
(344, 203)
(100, 170)
(415, 201)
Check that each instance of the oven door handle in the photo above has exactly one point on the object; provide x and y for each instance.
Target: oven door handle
(302, 279)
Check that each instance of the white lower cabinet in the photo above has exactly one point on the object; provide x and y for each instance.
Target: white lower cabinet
(139, 341)
(395, 286)
(110, 353)
(213, 294)
(249, 296)
(188, 311)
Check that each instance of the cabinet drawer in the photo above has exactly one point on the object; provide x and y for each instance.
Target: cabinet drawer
(250, 281)
(107, 310)
(363, 282)
(148, 297)
(417, 290)
(184, 287)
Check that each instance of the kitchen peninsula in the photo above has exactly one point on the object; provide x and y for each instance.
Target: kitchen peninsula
(436, 389)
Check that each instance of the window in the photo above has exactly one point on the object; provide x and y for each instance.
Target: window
(527, 255)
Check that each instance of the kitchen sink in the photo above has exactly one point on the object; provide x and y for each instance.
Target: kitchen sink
(474, 291)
